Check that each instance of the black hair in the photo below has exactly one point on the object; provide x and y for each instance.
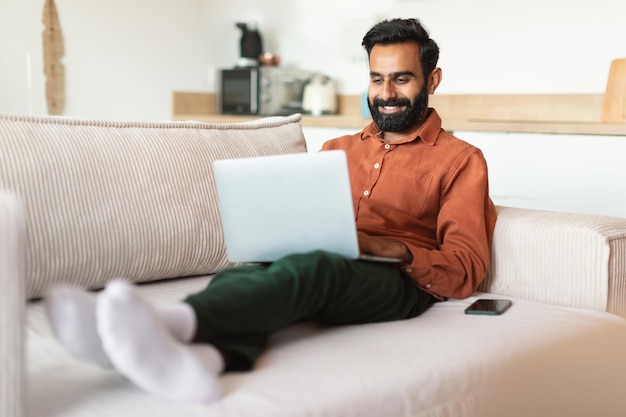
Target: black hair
(404, 30)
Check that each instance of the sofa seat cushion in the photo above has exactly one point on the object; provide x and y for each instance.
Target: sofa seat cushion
(105, 199)
(536, 359)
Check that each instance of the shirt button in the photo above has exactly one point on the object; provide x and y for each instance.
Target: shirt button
(387, 146)
(427, 286)
(366, 193)
(376, 165)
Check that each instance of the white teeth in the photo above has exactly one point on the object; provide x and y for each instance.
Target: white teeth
(389, 107)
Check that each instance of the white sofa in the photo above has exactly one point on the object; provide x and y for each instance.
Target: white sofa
(84, 201)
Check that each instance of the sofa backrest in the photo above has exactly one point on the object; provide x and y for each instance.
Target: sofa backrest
(107, 199)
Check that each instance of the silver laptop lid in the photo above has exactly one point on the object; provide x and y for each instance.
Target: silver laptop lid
(273, 206)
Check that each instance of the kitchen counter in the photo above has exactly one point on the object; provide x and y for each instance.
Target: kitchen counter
(340, 121)
(578, 114)
(356, 122)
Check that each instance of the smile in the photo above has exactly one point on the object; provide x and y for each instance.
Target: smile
(391, 109)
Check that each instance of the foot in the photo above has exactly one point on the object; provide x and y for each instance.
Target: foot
(140, 346)
(72, 314)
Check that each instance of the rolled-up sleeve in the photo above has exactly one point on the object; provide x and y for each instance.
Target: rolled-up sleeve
(464, 229)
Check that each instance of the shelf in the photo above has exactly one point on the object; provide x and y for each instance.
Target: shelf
(357, 123)
(576, 114)
(351, 122)
(564, 128)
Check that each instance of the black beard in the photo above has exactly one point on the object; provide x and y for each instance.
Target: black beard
(399, 122)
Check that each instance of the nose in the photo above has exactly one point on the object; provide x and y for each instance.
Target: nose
(388, 90)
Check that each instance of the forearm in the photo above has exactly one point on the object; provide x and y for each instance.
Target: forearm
(447, 273)
(390, 248)
(457, 264)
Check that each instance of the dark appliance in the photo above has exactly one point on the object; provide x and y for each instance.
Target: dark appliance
(251, 46)
(266, 90)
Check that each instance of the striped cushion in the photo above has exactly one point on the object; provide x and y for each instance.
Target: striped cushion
(110, 199)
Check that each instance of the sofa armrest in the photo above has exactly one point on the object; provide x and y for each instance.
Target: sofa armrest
(12, 308)
(566, 259)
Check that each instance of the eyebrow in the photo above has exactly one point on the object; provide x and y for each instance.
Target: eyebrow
(393, 74)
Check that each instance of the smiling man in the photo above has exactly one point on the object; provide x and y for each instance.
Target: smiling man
(403, 73)
(419, 194)
(398, 98)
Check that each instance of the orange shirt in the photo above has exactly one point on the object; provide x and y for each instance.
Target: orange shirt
(430, 191)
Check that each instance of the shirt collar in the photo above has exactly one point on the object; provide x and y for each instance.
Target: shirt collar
(428, 131)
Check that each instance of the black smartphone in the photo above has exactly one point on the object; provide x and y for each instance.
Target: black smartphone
(488, 306)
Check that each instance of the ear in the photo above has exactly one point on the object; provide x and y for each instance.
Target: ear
(434, 78)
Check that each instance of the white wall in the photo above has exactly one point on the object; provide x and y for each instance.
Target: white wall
(580, 174)
(124, 57)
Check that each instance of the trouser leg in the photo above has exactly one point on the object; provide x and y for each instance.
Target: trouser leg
(242, 306)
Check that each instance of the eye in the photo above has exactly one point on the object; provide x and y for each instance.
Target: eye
(376, 80)
(402, 80)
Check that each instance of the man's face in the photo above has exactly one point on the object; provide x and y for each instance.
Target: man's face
(397, 95)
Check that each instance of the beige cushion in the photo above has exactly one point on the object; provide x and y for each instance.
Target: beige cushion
(110, 199)
(536, 360)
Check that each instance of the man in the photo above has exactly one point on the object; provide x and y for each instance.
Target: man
(419, 194)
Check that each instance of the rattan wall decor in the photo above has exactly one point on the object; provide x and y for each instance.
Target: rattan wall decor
(53, 52)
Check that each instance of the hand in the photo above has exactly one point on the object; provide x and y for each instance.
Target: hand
(390, 248)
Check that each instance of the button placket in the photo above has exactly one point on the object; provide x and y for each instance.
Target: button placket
(376, 166)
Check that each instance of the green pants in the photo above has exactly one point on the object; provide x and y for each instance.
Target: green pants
(242, 306)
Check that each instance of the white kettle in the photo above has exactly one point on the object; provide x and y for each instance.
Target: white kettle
(319, 96)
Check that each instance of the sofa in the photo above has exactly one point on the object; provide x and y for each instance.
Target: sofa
(86, 201)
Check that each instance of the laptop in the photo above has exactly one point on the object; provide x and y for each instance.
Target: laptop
(273, 206)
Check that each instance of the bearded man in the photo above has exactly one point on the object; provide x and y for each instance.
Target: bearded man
(419, 194)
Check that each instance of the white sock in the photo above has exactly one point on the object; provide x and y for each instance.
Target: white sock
(180, 319)
(72, 314)
(141, 347)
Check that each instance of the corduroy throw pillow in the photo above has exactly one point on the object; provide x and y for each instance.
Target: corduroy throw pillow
(106, 199)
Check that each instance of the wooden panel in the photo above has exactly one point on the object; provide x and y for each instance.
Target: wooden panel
(614, 106)
(519, 107)
(504, 107)
(538, 113)
(579, 108)
(193, 103)
(349, 105)
(206, 103)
